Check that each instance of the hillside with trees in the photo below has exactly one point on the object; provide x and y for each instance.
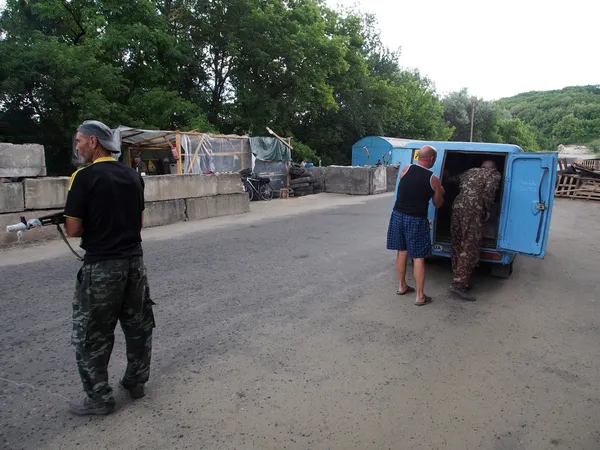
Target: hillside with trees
(567, 116)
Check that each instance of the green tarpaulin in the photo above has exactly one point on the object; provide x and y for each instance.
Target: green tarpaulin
(269, 149)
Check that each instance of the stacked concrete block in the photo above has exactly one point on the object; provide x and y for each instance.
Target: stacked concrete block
(356, 180)
(392, 177)
(11, 197)
(18, 161)
(217, 206)
(46, 193)
(229, 183)
(171, 187)
(164, 213)
(378, 183)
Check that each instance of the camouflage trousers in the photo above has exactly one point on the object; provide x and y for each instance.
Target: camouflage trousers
(108, 292)
(467, 232)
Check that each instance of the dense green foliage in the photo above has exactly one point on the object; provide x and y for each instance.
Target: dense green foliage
(567, 116)
(319, 75)
(234, 66)
(489, 125)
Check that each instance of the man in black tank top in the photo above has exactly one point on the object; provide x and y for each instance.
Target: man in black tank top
(408, 231)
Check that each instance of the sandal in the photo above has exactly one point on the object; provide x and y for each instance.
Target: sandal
(408, 290)
(425, 302)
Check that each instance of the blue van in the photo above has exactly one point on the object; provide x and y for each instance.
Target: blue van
(522, 211)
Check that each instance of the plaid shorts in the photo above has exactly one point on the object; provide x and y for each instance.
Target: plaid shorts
(409, 233)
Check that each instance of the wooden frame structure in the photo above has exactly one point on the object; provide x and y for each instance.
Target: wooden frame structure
(577, 185)
(171, 141)
(166, 141)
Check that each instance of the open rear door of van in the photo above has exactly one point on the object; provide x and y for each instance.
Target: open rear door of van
(527, 203)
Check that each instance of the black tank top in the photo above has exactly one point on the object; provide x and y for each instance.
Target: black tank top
(414, 192)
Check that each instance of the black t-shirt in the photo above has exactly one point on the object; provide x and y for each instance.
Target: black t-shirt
(108, 197)
(414, 192)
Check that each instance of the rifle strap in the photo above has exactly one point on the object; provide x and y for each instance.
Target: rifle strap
(64, 238)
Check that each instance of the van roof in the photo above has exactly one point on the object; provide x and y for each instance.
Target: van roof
(400, 142)
(467, 146)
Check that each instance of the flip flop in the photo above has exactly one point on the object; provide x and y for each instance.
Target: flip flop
(426, 302)
(408, 291)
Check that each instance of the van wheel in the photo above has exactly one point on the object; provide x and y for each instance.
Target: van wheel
(501, 270)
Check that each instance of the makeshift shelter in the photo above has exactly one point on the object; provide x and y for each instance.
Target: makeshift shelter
(180, 152)
(186, 151)
(271, 158)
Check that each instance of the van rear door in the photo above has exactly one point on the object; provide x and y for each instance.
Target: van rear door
(527, 203)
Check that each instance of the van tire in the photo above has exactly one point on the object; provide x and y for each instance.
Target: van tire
(501, 270)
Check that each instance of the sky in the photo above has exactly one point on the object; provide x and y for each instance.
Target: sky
(494, 48)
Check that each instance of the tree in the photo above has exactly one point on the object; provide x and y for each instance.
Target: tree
(514, 131)
(460, 107)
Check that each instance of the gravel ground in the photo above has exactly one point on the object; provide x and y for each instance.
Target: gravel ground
(287, 334)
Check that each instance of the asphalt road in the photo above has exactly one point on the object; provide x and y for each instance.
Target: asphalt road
(288, 334)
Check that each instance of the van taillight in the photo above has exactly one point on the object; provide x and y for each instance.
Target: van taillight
(490, 255)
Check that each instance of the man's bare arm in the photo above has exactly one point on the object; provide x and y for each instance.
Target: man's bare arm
(74, 227)
(438, 192)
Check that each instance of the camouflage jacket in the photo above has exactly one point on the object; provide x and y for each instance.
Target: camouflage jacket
(478, 188)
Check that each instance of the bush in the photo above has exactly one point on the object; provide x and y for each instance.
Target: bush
(594, 146)
(302, 151)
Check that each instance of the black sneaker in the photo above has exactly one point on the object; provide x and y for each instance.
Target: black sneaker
(135, 390)
(88, 407)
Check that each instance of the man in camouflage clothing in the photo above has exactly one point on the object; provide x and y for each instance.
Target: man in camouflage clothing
(470, 210)
(105, 205)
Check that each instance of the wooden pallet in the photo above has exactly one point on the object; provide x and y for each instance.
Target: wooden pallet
(575, 186)
(562, 164)
(591, 164)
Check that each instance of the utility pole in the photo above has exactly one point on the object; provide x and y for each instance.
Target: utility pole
(472, 118)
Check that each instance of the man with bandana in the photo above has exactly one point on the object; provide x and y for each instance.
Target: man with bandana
(104, 207)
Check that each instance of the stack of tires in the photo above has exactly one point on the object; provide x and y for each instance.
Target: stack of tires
(302, 183)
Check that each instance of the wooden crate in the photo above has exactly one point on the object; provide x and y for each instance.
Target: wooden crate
(575, 186)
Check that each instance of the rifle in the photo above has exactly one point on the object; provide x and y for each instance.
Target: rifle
(51, 219)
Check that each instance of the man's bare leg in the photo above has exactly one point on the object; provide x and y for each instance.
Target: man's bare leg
(401, 269)
(419, 274)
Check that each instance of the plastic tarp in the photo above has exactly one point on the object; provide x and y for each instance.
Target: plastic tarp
(214, 154)
(266, 155)
(270, 149)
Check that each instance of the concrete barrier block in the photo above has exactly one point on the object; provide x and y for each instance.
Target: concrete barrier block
(45, 193)
(220, 205)
(378, 184)
(25, 160)
(164, 212)
(350, 180)
(392, 177)
(30, 236)
(229, 183)
(228, 205)
(11, 198)
(171, 187)
(201, 208)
